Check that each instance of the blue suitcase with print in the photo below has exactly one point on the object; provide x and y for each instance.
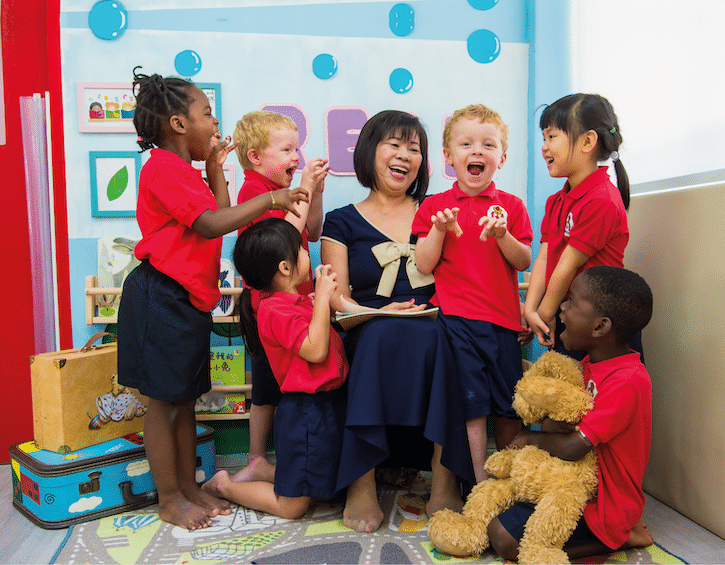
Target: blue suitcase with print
(56, 490)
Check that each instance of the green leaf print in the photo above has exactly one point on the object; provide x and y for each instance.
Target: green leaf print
(118, 183)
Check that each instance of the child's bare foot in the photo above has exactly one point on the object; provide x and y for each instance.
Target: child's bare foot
(181, 512)
(216, 486)
(362, 512)
(210, 501)
(258, 469)
(640, 536)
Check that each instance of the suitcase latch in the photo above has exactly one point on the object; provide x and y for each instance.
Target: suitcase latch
(91, 486)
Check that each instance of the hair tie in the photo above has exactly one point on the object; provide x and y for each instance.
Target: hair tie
(614, 156)
(613, 130)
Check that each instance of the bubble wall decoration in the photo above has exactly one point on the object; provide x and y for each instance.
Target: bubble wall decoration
(402, 19)
(108, 19)
(324, 66)
(187, 63)
(401, 80)
(483, 46)
(483, 4)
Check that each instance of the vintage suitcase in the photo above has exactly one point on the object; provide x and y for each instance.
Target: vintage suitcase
(77, 400)
(56, 490)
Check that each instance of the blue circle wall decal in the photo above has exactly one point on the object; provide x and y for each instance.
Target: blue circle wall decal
(402, 19)
(324, 66)
(401, 80)
(483, 4)
(483, 46)
(187, 63)
(108, 19)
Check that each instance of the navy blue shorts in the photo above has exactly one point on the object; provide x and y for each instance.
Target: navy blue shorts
(163, 340)
(489, 365)
(514, 521)
(308, 442)
(265, 388)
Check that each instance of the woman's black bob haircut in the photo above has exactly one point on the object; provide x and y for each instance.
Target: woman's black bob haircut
(378, 128)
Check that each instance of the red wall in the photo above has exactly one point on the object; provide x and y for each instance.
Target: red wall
(31, 63)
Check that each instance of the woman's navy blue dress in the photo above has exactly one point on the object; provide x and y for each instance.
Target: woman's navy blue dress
(401, 369)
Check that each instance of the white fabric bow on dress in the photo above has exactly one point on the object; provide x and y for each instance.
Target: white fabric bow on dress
(388, 255)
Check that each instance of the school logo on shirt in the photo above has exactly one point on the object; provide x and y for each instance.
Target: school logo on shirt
(592, 388)
(569, 225)
(497, 211)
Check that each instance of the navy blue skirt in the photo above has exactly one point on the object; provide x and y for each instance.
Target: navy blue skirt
(402, 374)
(163, 340)
(307, 440)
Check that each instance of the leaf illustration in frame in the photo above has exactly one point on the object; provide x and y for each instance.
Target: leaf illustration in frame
(117, 184)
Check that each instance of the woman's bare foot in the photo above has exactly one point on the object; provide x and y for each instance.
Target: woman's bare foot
(362, 512)
(181, 512)
(640, 536)
(258, 469)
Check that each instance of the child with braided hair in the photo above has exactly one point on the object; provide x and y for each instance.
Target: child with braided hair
(164, 319)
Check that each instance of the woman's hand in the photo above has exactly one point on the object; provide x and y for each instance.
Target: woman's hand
(408, 306)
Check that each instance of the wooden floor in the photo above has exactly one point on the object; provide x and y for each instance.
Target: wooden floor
(22, 542)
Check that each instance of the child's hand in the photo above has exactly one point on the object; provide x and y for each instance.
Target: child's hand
(541, 330)
(325, 282)
(549, 426)
(220, 149)
(447, 220)
(492, 227)
(313, 175)
(527, 335)
(285, 199)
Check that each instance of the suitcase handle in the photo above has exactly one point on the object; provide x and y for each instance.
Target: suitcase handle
(89, 345)
(136, 499)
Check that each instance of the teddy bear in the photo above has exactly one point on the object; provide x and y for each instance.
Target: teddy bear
(553, 386)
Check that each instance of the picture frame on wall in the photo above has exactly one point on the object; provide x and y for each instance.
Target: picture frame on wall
(213, 91)
(230, 174)
(105, 107)
(114, 183)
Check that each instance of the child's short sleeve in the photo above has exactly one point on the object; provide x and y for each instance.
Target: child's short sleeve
(182, 193)
(594, 226)
(613, 412)
(421, 222)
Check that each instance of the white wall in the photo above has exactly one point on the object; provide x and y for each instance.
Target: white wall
(660, 63)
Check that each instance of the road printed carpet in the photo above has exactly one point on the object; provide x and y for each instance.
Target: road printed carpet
(247, 536)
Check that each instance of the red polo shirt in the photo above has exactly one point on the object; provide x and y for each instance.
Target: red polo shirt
(620, 427)
(283, 320)
(473, 279)
(171, 196)
(591, 218)
(256, 184)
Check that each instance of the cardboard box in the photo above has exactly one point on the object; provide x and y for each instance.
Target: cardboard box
(77, 401)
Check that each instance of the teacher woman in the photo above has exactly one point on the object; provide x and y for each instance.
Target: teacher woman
(402, 380)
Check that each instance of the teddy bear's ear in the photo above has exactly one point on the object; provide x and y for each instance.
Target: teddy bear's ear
(554, 365)
(559, 400)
